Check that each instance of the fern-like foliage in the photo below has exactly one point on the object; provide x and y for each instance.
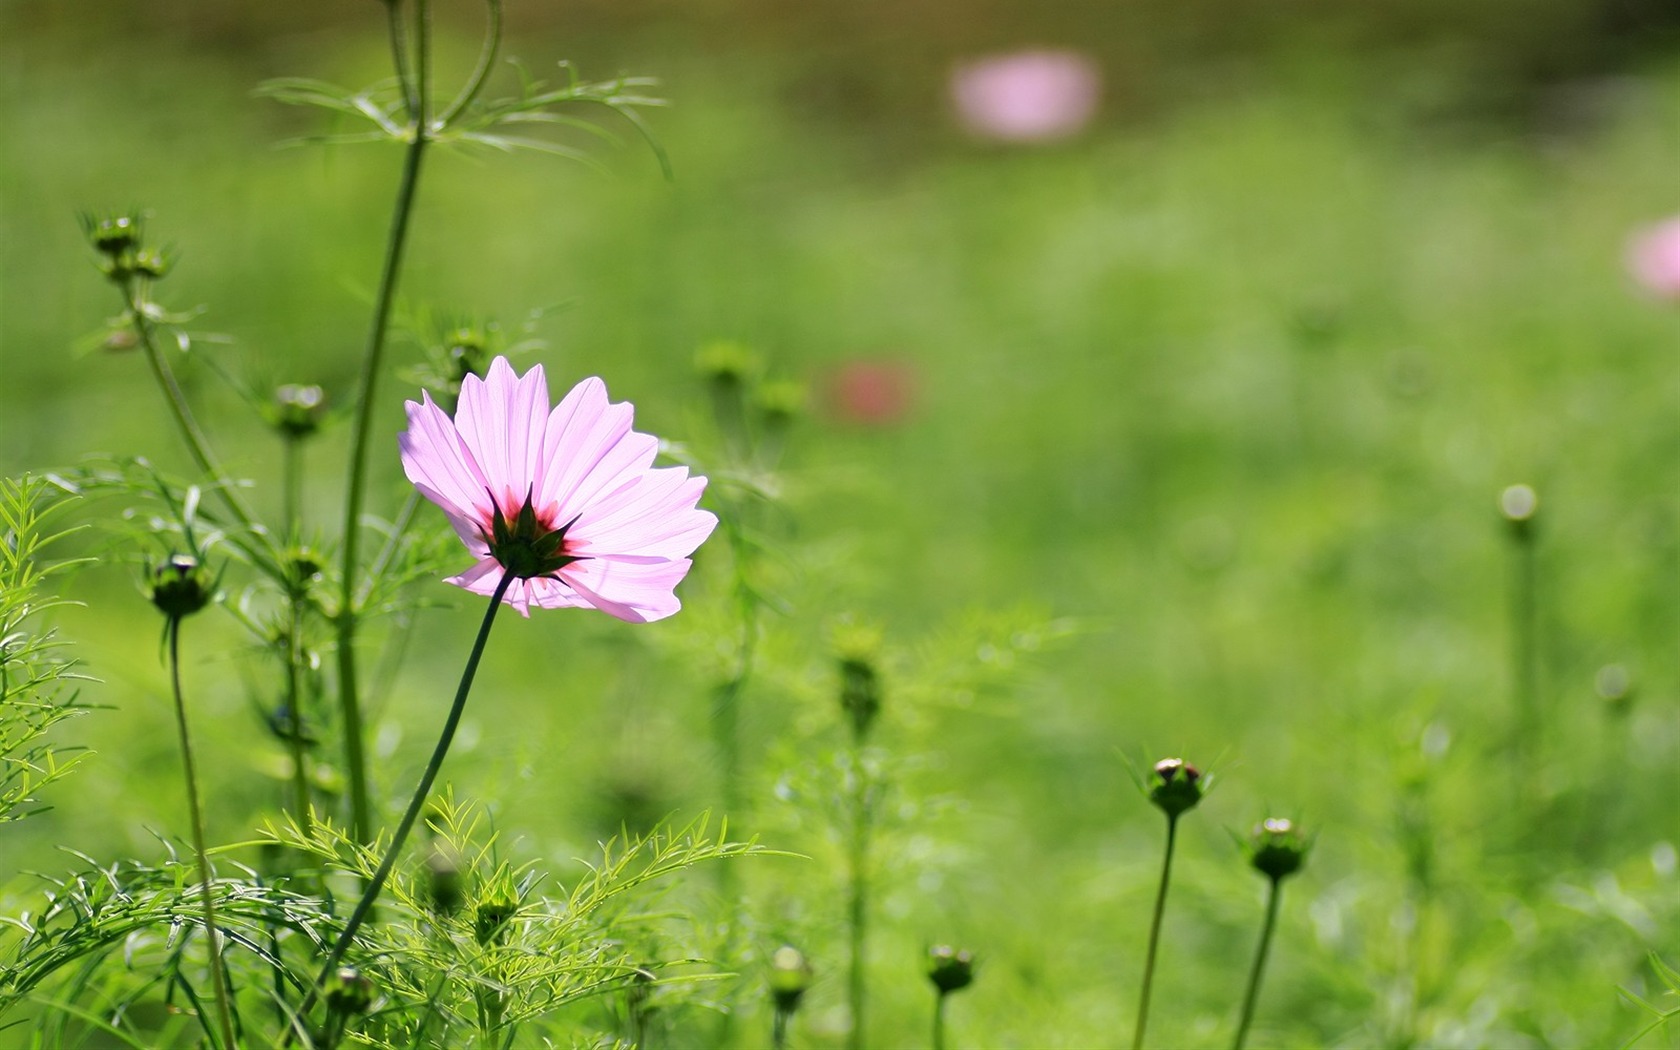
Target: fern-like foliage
(474, 950)
(37, 680)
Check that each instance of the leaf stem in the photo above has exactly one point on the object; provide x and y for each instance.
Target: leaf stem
(218, 978)
(1155, 933)
(1259, 966)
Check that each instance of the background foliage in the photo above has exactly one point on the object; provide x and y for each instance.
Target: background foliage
(1210, 410)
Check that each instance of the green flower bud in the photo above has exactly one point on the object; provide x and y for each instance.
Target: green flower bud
(148, 262)
(113, 235)
(1519, 504)
(1277, 848)
(790, 978)
(727, 363)
(860, 693)
(1176, 788)
(491, 917)
(467, 349)
(349, 992)
(443, 882)
(949, 969)
(1615, 687)
(181, 586)
(297, 410)
(780, 401)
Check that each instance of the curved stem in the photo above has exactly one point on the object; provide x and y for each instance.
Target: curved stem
(1259, 967)
(197, 443)
(399, 57)
(1155, 934)
(355, 752)
(415, 804)
(481, 73)
(218, 979)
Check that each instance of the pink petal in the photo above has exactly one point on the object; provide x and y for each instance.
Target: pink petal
(501, 420)
(439, 464)
(638, 591)
(655, 517)
(582, 430)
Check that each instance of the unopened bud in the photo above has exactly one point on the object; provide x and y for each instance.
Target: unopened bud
(491, 917)
(1176, 787)
(443, 881)
(1277, 848)
(349, 992)
(467, 349)
(790, 977)
(148, 262)
(727, 363)
(113, 235)
(298, 410)
(950, 969)
(1615, 687)
(1519, 504)
(780, 401)
(860, 693)
(181, 586)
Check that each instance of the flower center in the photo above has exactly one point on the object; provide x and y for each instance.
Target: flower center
(529, 545)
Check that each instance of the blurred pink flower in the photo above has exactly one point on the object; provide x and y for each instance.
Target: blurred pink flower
(1029, 96)
(567, 501)
(872, 393)
(1654, 258)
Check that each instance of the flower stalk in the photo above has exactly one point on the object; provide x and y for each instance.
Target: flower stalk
(179, 592)
(1177, 788)
(1276, 850)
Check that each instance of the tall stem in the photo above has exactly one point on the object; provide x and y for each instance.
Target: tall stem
(415, 804)
(218, 978)
(857, 985)
(355, 752)
(939, 1021)
(1259, 967)
(292, 512)
(1155, 933)
(1525, 649)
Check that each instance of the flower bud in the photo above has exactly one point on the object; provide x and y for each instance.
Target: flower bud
(181, 586)
(949, 969)
(1277, 848)
(467, 349)
(491, 917)
(113, 235)
(443, 881)
(1176, 787)
(860, 693)
(1518, 504)
(780, 401)
(1615, 687)
(726, 363)
(349, 992)
(790, 977)
(149, 262)
(297, 410)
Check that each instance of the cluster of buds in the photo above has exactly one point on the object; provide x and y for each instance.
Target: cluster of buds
(119, 240)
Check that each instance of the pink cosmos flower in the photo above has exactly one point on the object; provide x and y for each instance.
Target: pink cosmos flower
(1029, 96)
(566, 501)
(1654, 259)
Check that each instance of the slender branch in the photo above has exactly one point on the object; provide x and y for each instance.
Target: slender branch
(481, 73)
(857, 983)
(415, 804)
(218, 978)
(197, 443)
(1155, 933)
(399, 57)
(292, 512)
(355, 752)
(1259, 966)
(939, 1021)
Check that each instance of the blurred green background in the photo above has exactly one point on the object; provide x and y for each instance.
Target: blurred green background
(1208, 407)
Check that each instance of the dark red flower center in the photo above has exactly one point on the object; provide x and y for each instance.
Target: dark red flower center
(529, 545)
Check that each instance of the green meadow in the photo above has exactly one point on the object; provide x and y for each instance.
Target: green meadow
(1206, 414)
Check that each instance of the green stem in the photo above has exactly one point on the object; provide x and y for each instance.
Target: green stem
(1155, 934)
(486, 62)
(857, 986)
(197, 443)
(292, 512)
(1525, 650)
(1259, 967)
(939, 1021)
(415, 804)
(218, 979)
(355, 751)
(779, 1029)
